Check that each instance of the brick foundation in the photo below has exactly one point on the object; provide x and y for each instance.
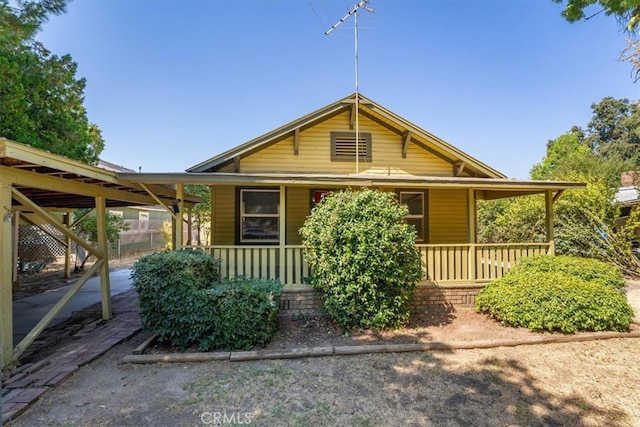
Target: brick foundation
(428, 298)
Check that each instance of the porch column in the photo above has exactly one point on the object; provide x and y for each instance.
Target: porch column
(282, 231)
(471, 234)
(190, 227)
(548, 203)
(6, 287)
(103, 247)
(212, 239)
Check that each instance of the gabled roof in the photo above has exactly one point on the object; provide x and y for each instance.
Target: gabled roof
(372, 111)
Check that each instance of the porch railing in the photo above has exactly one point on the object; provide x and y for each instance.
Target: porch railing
(474, 262)
(262, 262)
(452, 263)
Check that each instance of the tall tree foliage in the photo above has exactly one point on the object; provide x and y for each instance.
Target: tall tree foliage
(202, 211)
(585, 220)
(41, 99)
(627, 12)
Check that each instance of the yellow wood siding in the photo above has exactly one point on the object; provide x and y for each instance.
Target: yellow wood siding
(298, 207)
(224, 221)
(315, 153)
(447, 216)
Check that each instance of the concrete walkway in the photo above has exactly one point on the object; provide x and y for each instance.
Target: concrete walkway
(75, 338)
(28, 311)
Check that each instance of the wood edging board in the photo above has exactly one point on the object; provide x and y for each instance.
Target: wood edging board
(296, 353)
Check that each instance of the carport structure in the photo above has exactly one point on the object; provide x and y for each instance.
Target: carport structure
(40, 188)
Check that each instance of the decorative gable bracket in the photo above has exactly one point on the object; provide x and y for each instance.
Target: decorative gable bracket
(406, 138)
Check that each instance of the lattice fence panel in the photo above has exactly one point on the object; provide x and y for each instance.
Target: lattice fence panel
(37, 247)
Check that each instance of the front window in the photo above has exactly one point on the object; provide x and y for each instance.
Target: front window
(259, 215)
(415, 203)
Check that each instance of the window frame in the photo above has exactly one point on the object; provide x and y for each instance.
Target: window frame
(422, 217)
(342, 158)
(242, 215)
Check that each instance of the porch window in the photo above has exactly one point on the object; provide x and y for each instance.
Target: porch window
(415, 203)
(259, 215)
(343, 146)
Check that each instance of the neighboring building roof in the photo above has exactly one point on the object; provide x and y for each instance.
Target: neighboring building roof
(366, 107)
(112, 166)
(627, 195)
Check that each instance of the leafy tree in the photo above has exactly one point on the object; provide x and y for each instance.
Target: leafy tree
(42, 99)
(21, 23)
(627, 12)
(572, 154)
(202, 211)
(87, 228)
(614, 130)
(363, 258)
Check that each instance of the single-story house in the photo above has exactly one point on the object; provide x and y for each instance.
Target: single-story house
(263, 190)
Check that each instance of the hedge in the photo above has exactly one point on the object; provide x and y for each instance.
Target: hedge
(184, 304)
(533, 296)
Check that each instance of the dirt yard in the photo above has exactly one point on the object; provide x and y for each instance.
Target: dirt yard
(579, 384)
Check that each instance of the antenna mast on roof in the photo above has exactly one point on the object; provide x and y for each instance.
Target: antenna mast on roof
(354, 11)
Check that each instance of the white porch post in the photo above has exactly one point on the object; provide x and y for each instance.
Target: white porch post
(6, 286)
(282, 233)
(548, 203)
(103, 247)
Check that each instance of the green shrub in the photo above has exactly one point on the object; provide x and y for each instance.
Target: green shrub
(588, 269)
(363, 258)
(182, 302)
(246, 314)
(533, 296)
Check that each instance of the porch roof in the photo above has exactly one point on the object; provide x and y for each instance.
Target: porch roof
(492, 187)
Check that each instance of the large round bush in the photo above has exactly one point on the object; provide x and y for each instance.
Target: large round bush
(363, 258)
(556, 295)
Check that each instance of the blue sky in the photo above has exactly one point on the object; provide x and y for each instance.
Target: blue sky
(174, 82)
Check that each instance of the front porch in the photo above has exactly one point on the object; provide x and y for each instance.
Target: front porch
(442, 264)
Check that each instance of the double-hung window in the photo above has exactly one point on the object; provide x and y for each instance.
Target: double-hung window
(259, 215)
(415, 203)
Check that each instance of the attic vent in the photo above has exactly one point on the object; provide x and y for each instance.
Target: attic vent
(343, 146)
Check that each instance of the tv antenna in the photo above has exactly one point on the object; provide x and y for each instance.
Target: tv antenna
(354, 11)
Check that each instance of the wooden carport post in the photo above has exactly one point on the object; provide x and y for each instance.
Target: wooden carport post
(6, 285)
(103, 247)
(67, 250)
